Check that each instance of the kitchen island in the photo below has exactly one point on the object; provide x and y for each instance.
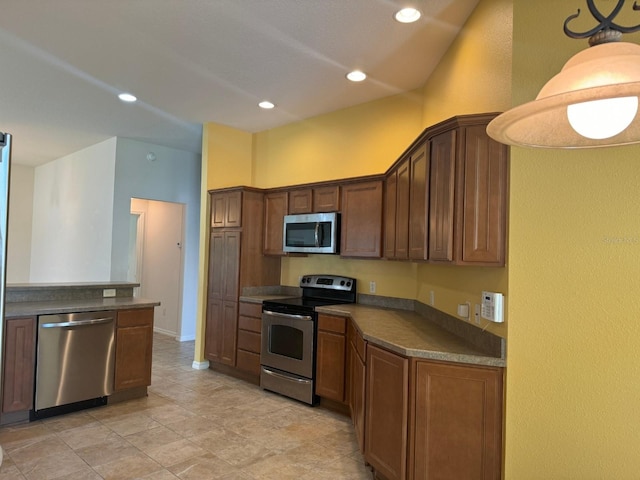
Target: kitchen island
(125, 352)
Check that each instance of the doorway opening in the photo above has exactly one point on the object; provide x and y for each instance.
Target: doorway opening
(156, 239)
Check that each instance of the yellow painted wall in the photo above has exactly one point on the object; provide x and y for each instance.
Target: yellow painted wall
(230, 156)
(573, 385)
(361, 140)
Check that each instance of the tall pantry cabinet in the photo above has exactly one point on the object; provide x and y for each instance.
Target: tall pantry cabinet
(235, 262)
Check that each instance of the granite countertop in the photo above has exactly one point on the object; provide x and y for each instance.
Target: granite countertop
(46, 307)
(402, 331)
(410, 334)
(69, 285)
(264, 298)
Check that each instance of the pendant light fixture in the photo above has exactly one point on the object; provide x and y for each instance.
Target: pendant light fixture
(592, 102)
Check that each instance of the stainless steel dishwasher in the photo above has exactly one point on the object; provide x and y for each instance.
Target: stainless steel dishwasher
(75, 359)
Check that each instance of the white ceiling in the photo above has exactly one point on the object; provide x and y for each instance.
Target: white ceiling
(62, 63)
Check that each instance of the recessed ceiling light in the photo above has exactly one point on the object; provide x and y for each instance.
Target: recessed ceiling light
(266, 105)
(407, 15)
(127, 97)
(356, 76)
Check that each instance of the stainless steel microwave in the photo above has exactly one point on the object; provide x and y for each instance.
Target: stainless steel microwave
(312, 233)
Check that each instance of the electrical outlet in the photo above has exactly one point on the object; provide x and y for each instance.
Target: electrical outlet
(372, 287)
(109, 292)
(432, 298)
(476, 313)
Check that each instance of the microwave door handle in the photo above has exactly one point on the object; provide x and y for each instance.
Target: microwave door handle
(316, 234)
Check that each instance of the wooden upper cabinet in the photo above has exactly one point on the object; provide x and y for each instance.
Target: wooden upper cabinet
(361, 226)
(468, 198)
(276, 206)
(396, 212)
(301, 201)
(390, 202)
(314, 200)
(326, 199)
(226, 209)
(442, 183)
(482, 209)
(418, 203)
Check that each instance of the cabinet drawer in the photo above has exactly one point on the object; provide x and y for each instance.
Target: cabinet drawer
(250, 323)
(358, 341)
(248, 362)
(251, 309)
(135, 318)
(249, 341)
(332, 323)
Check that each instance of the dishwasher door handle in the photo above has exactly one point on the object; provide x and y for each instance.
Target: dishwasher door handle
(79, 323)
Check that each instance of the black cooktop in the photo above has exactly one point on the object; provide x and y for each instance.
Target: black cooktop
(317, 291)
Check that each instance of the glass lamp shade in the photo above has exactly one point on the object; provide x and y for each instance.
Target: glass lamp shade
(606, 71)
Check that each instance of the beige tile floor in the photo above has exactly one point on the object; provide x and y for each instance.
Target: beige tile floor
(193, 425)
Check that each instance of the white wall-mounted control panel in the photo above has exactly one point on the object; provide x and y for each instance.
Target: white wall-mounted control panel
(492, 307)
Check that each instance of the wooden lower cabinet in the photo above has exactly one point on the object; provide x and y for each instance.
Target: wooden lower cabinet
(18, 364)
(387, 412)
(331, 357)
(457, 421)
(221, 331)
(357, 382)
(249, 338)
(134, 348)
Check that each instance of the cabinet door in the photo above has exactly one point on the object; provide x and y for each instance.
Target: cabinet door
(361, 227)
(386, 417)
(326, 199)
(300, 201)
(419, 204)
(134, 348)
(224, 264)
(330, 366)
(402, 212)
(221, 331)
(276, 206)
(441, 206)
(390, 201)
(226, 209)
(482, 215)
(231, 265)
(213, 330)
(18, 364)
(229, 333)
(357, 392)
(458, 421)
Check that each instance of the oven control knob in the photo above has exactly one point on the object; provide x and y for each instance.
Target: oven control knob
(342, 283)
(348, 284)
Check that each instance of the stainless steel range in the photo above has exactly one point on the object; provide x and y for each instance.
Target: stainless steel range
(289, 330)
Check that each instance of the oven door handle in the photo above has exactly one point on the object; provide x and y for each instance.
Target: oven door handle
(287, 315)
(284, 377)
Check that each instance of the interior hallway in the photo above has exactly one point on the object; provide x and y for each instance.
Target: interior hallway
(193, 425)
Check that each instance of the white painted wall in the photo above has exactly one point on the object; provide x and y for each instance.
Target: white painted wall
(174, 176)
(20, 218)
(72, 216)
(161, 273)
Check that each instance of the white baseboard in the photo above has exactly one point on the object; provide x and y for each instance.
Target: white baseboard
(186, 338)
(200, 365)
